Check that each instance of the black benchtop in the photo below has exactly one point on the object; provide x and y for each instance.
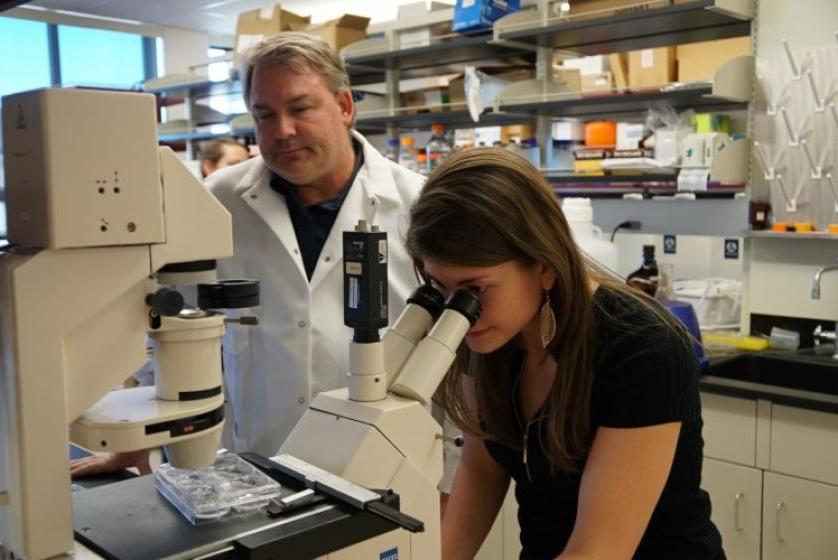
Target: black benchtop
(800, 379)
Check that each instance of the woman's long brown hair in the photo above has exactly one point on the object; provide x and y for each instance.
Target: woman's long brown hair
(484, 207)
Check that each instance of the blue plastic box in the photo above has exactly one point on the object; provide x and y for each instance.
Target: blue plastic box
(470, 15)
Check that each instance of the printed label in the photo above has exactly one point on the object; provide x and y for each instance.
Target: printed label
(647, 58)
(392, 554)
(731, 248)
(354, 293)
(354, 268)
(670, 244)
(382, 251)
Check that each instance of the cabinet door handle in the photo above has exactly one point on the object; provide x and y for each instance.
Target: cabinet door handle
(736, 502)
(780, 507)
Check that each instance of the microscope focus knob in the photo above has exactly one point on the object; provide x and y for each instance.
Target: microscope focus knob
(165, 302)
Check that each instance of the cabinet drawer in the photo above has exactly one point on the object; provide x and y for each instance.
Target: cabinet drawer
(736, 499)
(730, 428)
(804, 443)
(798, 519)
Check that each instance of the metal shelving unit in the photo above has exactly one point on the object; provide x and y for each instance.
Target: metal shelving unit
(458, 118)
(188, 93)
(619, 105)
(720, 210)
(683, 22)
(198, 89)
(368, 61)
(198, 136)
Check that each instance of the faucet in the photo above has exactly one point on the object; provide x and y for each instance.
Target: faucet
(816, 280)
(816, 294)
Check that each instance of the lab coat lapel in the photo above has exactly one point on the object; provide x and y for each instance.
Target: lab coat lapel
(270, 206)
(357, 205)
(372, 194)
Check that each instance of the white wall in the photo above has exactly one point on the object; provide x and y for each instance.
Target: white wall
(696, 257)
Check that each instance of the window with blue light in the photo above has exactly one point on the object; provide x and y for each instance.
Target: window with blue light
(96, 57)
(24, 64)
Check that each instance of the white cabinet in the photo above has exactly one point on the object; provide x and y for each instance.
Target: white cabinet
(772, 475)
(736, 497)
(799, 519)
(730, 427)
(804, 443)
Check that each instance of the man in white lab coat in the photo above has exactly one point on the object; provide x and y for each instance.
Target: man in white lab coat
(315, 178)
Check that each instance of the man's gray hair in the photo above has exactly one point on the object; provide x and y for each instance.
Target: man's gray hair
(301, 52)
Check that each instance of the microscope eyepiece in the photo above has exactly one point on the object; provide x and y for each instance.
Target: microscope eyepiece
(428, 298)
(465, 303)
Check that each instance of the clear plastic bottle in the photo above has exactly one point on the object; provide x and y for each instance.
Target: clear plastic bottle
(392, 152)
(647, 277)
(407, 157)
(422, 161)
(438, 147)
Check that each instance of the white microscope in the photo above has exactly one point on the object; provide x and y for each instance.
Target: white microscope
(379, 433)
(95, 209)
(97, 214)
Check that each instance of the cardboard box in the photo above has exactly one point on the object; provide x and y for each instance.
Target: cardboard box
(429, 100)
(598, 83)
(517, 132)
(420, 36)
(651, 68)
(592, 9)
(470, 15)
(700, 61)
(255, 25)
(338, 32)
(619, 68)
(587, 65)
(419, 9)
(423, 36)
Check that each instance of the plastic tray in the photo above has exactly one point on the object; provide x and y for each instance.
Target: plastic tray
(231, 485)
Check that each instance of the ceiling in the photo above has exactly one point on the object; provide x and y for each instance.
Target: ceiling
(219, 16)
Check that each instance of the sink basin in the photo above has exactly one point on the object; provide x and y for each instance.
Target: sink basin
(804, 370)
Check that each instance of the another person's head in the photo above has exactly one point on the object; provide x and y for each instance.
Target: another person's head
(488, 221)
(221, 153)
(297, 90)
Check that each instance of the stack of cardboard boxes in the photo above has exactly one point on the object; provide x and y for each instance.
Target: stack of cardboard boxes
(255, 25)
(649, 69)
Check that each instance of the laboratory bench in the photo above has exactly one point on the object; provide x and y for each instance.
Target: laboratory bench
(771, 453)
(805, 378)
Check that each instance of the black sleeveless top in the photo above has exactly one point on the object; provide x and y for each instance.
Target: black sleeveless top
(643, 376)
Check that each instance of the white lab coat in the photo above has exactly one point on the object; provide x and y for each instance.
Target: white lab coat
(301, 347)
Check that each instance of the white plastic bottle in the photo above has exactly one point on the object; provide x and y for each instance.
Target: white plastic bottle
(589, 237)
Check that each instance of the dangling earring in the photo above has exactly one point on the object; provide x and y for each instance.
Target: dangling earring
(546, 321)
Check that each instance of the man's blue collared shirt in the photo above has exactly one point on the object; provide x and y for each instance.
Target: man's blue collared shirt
(313, 223)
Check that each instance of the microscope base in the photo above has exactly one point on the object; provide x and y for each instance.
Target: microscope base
(130, 520)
